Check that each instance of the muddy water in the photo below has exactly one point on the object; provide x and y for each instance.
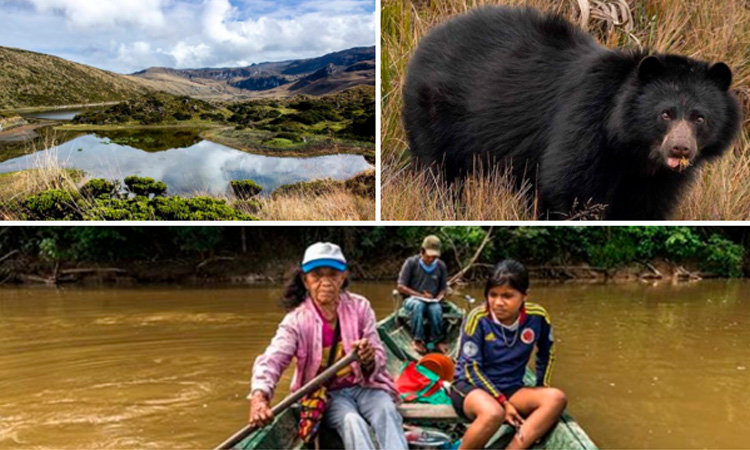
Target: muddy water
(643, 366)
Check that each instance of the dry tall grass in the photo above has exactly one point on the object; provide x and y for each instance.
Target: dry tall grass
(703, 29)
(339, 204)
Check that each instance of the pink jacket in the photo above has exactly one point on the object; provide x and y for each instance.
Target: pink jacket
(300, 335)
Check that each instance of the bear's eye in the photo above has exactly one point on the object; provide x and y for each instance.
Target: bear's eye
(666, 115)
(700, 119)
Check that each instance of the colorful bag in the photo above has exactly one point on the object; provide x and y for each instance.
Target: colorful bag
(312, 406)
(417, 384)
(311, 413)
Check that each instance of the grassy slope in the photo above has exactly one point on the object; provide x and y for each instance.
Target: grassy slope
(33, 79)
(715, 31)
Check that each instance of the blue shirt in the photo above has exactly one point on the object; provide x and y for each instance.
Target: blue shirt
(495, 359)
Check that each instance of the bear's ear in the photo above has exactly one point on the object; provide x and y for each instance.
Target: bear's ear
(720, 74)
(649, 68)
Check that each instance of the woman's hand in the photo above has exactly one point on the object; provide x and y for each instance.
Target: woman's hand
(512, 416)
(260, 414)
(366, 353)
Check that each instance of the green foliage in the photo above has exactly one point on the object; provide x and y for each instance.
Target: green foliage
(54, 204)
(713, 251)
(100, 200)
(612, 247)
(361, 128)
(352, 112)
(683, 243)
(98, 187)
(180, 115)
(164, 208)
(195, 208)
(150, 109)
(291, 136)
(245, 189)
(722, 256)
(145, 186)
(197, 239)
(84, 243)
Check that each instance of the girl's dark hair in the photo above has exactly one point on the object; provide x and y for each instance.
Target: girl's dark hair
(511, 273)
(295, 290)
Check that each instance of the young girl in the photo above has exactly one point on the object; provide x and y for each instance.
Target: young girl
(496, 344)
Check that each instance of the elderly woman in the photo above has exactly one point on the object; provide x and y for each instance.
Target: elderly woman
(321, 313)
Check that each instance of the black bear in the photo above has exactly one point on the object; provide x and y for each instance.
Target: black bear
(587, 125)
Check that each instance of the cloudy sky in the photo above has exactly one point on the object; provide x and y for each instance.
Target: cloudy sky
(130, 35)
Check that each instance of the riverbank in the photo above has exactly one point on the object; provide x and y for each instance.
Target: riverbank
(250, 268)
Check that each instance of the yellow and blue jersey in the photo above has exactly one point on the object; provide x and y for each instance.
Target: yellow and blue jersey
(495, 359)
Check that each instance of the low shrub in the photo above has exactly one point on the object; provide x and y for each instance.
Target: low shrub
(145, 186)
(245, 189)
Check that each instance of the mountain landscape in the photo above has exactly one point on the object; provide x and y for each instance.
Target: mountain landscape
(326, 74)
(301, 130)
(29, 79)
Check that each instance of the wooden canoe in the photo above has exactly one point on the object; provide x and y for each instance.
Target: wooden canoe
(282, 433)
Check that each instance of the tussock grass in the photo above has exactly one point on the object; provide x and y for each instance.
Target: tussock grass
(47, 174)
(338, 204)
(423, 195)
(346, 200)
(703, 29)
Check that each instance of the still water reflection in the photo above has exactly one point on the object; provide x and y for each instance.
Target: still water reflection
(62, 114)
(186, 163)
(644, 367)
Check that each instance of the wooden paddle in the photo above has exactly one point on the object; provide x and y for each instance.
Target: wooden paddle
(292, 398)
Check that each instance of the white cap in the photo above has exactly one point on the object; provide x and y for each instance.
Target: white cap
(323, 254)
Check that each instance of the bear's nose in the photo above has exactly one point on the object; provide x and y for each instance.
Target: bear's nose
(680, 150)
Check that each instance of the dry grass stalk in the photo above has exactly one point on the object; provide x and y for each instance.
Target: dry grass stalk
(338, 204)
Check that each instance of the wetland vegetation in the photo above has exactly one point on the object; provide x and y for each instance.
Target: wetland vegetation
(304, 142)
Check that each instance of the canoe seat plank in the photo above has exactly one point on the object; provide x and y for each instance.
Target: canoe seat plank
(421, 411)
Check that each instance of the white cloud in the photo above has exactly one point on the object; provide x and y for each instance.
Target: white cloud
(102, 13)
(130, 35)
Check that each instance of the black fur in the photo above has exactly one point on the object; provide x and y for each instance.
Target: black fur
(519, 88)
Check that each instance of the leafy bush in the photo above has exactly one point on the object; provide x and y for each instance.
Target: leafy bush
(54, 204)
(145, 185)
(164, 208)
(195, 208)
(179, 115)
(245, 188)
(98, 187)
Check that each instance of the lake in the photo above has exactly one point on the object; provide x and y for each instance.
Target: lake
(56, 114)
(644, 366)
(185, 162)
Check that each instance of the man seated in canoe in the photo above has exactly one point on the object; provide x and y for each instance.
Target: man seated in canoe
(424, 281)
(496, 344)
(324, 322)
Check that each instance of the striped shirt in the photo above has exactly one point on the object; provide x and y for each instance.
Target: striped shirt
(495, 359)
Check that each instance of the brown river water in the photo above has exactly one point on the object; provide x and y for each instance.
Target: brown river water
(665, 366)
